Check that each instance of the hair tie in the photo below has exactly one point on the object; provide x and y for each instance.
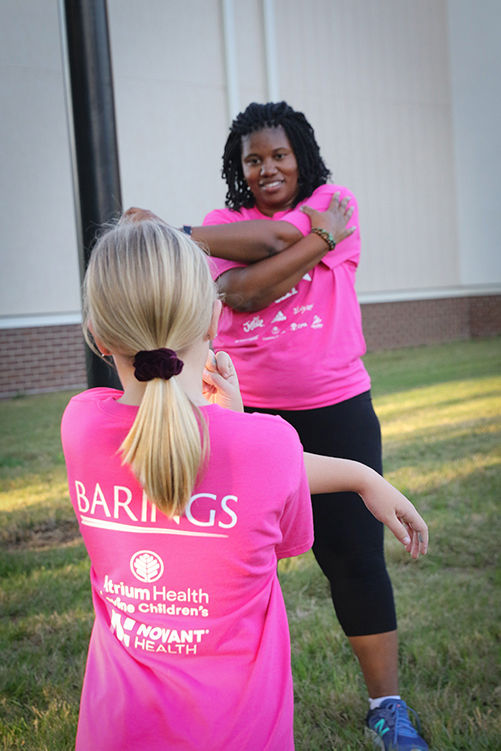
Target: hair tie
(157, 363)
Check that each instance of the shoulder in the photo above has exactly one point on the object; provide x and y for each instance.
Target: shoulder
(319, 200)
(269, 431)
(94, 395)
(324, 193)
(84, 403)
(97, 394)
(222, 216)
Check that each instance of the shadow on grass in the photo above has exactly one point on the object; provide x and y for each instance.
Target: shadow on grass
(421, 449)
(414, 367)
(46, 618)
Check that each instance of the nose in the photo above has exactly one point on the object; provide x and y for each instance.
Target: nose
(268, 167)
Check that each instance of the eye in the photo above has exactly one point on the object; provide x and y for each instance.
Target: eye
(280, 156)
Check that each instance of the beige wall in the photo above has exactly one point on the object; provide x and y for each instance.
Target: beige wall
(475, 44)
(373, 77)
(39, 270)
(170, 93)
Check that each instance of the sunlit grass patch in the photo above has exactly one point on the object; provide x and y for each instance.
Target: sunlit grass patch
(440, 410)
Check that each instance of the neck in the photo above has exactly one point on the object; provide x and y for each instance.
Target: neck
(190, 378)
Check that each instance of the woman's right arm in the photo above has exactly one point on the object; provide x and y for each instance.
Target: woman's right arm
(257, 285)
(270, 273)
(244, 242)
(248, 241)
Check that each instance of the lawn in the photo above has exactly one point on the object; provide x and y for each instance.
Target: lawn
(440, 410)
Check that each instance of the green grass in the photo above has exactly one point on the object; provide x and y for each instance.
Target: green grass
(440, 411)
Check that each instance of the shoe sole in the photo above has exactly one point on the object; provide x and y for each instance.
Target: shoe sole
(378, 741)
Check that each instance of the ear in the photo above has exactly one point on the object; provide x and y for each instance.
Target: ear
(102, 349)
(216, 313)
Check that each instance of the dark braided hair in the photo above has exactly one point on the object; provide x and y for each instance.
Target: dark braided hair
(311, 167)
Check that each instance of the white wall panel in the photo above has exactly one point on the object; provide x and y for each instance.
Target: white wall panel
(170, 94)
(475, 40)
(251, 52)
(373, 78)
(38, 253)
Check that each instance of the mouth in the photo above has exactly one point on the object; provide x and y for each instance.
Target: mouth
(270, 187)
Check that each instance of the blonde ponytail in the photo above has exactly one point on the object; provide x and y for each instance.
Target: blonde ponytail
(148, 287)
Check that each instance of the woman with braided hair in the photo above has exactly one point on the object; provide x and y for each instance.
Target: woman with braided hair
(286, 249)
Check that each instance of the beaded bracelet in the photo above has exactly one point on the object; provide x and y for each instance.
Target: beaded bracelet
(325, 236)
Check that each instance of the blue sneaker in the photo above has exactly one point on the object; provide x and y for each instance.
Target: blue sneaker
(390, 729)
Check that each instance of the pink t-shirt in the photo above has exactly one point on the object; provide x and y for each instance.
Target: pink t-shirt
(190, 647)
(303, 351)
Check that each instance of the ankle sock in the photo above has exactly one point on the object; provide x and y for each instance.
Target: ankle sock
(375, 703)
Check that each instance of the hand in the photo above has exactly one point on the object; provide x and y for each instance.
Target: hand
(220, 382)
(327, 474)
(335, 219)
(135, 214)
(392, 508)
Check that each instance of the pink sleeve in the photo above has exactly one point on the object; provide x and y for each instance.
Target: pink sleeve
(221, 216)
(349, 248)
(296, 523)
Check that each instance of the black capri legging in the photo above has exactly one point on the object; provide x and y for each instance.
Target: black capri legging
(348, 539)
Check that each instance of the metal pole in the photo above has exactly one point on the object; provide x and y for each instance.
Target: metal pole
(91, 116)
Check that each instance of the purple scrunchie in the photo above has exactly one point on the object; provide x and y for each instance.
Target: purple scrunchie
(157, 363)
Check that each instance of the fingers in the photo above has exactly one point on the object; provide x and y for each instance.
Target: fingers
(220, 363)
(409, 528)
(423, 539)
(341, 205)
(344, 206)
(220, 382)
(418, 532)
(225, 365)
(400, 531)
(334, 204)
(211, 363)
(135, 214)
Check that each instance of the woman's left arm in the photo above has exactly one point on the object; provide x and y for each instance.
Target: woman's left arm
(330, 475)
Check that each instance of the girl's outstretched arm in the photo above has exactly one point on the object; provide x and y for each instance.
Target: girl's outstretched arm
(330, 475)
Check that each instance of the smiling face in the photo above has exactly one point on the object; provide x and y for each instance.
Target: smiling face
(270, 169)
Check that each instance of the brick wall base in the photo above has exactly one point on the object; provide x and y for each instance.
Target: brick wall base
(42, 359)
(391, 325)
(52, 358)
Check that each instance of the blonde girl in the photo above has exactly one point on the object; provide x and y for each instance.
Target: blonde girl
(185, 507)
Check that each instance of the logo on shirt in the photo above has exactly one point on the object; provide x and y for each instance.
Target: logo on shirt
(146, 566)
(256, 323)
(317, 323)
(300, 309)
(151, 638)
(279, 317)
(293, 291)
